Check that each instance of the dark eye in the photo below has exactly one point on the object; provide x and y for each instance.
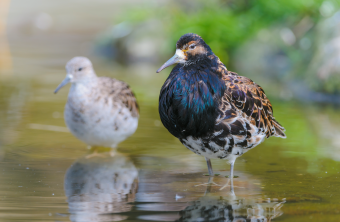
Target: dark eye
(80, 69)
(192, 46)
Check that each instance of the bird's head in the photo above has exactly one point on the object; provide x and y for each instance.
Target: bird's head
(190, 49)
(78, 69)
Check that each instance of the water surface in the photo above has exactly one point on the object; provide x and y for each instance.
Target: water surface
(47, 174)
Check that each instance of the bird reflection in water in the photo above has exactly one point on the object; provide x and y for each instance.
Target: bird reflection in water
(218, 205)
(101, 185)
(212, 208)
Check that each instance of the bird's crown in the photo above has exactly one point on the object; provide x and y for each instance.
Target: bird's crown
(78, 63)
(188, 38)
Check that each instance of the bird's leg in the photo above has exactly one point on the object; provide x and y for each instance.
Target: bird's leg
(95, 153)
(211, 174)
(210, 170)
(232, 177)
(208, 190)
(112, 152)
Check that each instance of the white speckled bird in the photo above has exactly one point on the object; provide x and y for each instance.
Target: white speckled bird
(100, 111)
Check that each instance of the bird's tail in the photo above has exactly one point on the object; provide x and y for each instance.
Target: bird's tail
(279, 130)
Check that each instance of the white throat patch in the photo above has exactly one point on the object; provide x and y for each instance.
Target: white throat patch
(180, 55)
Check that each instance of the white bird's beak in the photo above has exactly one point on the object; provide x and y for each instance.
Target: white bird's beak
(179, 57)
(64, 82)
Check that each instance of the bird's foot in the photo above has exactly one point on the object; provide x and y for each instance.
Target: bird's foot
(94, 154)
(208, 184)
(101, 152)
(227, 185)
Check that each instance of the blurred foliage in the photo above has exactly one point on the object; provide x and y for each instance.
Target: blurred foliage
(225, 24)
(324, 68)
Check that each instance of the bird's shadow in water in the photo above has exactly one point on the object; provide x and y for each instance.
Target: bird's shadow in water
(100, 185)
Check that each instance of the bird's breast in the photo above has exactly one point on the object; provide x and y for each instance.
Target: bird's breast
(189, 104)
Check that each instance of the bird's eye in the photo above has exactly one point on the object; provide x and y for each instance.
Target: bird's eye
(192, 46)
(80, 69)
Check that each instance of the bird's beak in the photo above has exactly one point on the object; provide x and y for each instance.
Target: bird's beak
(177, 58)
(64, 82)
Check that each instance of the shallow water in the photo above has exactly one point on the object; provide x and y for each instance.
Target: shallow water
(46, 174)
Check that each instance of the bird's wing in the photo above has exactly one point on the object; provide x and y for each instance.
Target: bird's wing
(119, 91)
(243, 95)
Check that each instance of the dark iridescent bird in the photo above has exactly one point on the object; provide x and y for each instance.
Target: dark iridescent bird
(213, 112)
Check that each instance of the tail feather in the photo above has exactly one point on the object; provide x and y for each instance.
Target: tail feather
(279, 130)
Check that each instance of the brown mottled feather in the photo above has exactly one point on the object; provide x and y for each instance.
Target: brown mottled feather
(119, 91)
(248, 97)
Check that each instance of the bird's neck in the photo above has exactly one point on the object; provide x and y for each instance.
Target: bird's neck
(204, 85)
(85, 85)
(199, 60)
(89, 79)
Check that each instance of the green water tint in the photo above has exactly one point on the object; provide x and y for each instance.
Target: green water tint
(296, 179)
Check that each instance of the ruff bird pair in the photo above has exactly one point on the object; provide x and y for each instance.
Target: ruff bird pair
(212, 111)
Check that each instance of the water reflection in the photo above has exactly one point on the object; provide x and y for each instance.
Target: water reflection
(212, 208)
(194, 197)
(100, 184)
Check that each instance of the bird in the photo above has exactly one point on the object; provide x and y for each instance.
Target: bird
(100, 111)
(213, 112)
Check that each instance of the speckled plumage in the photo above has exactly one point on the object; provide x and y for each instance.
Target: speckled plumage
(214, 112)
(100, 111)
